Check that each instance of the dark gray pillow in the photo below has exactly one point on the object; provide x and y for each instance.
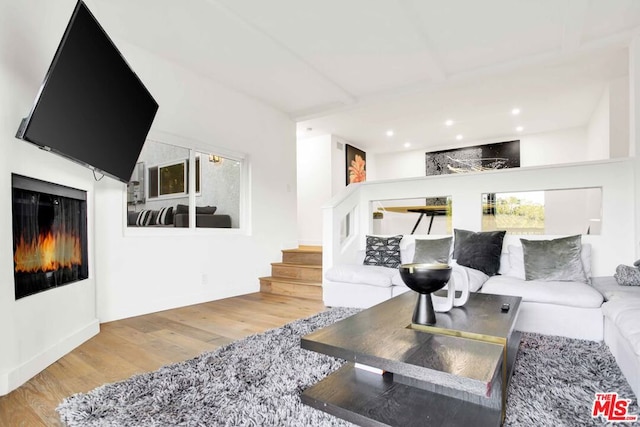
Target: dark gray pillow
(181, 209)
(383, 251)
(432, 250)
(557, 259)
(480, 251)
(200, 210)
(206, 210)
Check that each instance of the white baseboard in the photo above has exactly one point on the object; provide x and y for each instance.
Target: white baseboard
(22, 373)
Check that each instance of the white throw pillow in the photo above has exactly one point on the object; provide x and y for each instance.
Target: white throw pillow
(475, 277)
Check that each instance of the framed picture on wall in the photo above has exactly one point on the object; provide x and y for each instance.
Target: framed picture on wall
(356, 164)
(501, 155)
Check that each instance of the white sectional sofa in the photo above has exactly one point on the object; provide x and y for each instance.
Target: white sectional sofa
(622, 326)
(362, 286)
(570, 309)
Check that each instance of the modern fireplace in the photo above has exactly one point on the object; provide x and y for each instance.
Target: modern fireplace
(49, 235)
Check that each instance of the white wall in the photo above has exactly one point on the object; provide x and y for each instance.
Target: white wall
(142, 270)
(566, 146)
(321, 174)
(615, 245)
(598, 129)
(552, 148)
(135, 273)
(314, 157)
(608, 128)
(38, 329)
(619, 118)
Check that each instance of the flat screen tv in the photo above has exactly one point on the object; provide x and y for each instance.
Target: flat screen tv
(91, 108)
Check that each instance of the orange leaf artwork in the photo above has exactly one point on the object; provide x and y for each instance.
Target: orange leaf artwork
(357, 172)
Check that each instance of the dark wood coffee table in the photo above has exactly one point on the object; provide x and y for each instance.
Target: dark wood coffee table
(454, 373)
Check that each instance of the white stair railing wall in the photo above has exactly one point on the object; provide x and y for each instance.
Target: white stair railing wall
(617, 243)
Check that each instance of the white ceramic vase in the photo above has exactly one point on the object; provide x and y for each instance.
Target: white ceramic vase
(444, 304)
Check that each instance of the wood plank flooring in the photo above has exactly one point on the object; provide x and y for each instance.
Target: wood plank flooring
(145, 343)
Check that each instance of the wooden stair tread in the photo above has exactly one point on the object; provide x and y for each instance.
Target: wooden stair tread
(305, 250)
(299, 274)
(291, 281)
(293, 265)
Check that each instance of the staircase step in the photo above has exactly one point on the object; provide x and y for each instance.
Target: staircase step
(307, 255)
(292, 287)
(297, 271)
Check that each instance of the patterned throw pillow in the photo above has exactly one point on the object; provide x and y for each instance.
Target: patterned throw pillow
(144, 218)
(383, 251)
(165, 216)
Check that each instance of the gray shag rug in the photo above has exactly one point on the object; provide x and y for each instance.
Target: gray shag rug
(257, 381)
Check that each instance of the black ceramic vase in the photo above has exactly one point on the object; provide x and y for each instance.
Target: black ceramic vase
(425, 279)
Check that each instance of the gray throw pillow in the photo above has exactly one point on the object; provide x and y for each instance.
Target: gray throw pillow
(383, 251)
(480, 251)
(627, 275)
(432, 250)
(554, 260)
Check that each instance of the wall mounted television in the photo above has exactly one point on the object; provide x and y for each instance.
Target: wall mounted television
(91, 108)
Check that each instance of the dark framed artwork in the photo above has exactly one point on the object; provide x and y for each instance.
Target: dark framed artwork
(356, 164)
(500, 155)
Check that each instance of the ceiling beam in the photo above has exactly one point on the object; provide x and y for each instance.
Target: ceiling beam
(344, 96)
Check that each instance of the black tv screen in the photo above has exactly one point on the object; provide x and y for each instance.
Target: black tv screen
(91, 108)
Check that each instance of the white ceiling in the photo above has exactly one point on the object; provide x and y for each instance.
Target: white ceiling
(356, 68)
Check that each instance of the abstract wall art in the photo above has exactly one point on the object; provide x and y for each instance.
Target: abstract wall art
(501, 155)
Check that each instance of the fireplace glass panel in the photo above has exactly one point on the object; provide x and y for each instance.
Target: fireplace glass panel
(49, 235)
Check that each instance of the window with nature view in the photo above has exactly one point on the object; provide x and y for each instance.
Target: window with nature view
(551, 212)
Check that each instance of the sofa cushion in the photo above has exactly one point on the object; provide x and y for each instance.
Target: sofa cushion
(363, 274)
(515, 266)
(625, 315)
(614, 308)
(572, 294)
(554, 260)
(432, 250)
(612, 290)
(383, 251)
(480, 251)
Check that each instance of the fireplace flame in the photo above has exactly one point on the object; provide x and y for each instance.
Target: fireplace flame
(49, 252)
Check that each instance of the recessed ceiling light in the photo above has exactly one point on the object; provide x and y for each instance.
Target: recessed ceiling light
(448, 122)
(407, 144)
(390, 132)
(458, 137)
(515, 111)
(519, 129)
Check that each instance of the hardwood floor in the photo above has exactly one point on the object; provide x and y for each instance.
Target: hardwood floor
(145, 343)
